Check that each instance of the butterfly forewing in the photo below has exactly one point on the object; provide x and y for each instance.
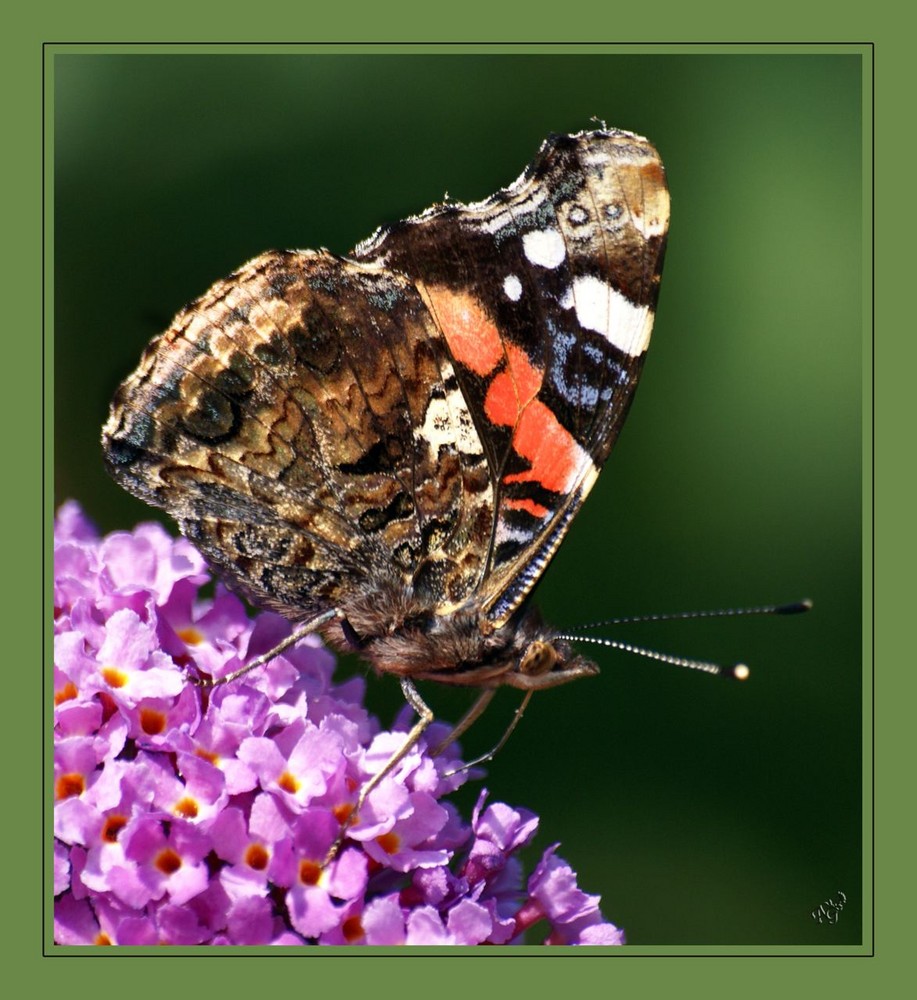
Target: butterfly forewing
(546, 295)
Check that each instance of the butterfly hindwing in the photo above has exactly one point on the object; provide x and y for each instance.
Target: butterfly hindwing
(302, 424)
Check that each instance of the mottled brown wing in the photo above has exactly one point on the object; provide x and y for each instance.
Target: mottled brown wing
(303, 424)
(545, 294)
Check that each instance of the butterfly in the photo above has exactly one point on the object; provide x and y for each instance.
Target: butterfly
(388, 447)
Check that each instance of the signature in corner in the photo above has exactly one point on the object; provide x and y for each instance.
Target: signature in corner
(829, 911)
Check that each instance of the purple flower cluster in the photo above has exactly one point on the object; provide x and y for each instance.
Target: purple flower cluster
(192, 816)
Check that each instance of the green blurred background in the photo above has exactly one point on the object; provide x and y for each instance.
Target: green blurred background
(703, 812)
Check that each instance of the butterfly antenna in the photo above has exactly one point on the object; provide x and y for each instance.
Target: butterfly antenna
(794, 608)
(738, 671)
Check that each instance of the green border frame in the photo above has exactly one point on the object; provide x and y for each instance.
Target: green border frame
(22, 395)
(331, 50)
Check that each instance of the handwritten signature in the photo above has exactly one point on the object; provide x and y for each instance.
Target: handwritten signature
(829, 911)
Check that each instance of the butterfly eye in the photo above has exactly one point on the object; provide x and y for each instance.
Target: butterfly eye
(538, 659)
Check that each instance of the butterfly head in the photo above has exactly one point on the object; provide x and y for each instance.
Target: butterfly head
(541, 659)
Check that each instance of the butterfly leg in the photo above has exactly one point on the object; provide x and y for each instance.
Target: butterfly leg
(259, 661)
(467, 720)
(425, 714)
(484, 758)
(529, 683)
(426, 717)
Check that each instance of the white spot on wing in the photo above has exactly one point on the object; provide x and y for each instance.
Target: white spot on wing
(651, 225)
(544, 247)
(507, 534)
(578, 215)
(512, 286)
(602, 309)
(447, 423)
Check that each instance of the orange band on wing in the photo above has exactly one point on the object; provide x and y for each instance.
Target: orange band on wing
(551, 451)
(529, 506)
(472, 337)
(512, 390)
(553, 455)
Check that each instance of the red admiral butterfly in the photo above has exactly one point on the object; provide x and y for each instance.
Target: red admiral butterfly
(389, 447)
